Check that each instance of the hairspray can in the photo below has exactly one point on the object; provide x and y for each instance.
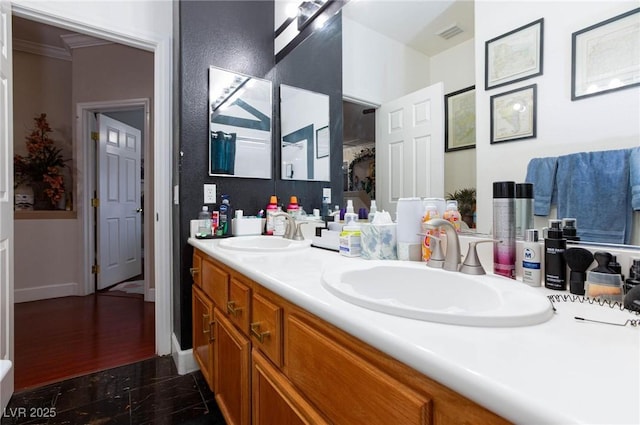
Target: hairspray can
(504, 229)
(524, 208)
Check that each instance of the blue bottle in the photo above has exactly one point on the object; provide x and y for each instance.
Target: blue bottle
(226, 215)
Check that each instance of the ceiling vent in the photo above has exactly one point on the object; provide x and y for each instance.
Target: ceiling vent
(450, 31)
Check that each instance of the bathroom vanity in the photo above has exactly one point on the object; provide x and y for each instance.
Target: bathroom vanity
(276, 347)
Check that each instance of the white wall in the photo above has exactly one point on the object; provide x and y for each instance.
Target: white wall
(608, 121)
(455, 68)
(377, 69)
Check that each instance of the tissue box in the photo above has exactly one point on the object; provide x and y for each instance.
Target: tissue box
(379, 241)
(247, 226)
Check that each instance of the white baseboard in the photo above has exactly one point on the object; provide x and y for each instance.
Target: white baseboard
(6, 383)
(150, 295)
(185, 363)
(45, 292)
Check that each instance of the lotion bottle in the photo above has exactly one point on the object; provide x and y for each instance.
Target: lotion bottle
(272, 208)
(531, 258)
(555, 265)
(504, 229)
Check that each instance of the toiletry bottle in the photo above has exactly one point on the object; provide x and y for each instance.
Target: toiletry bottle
(569, 230)
(634, 276)
(350, 217)
(452, 215)
(524, 208)
(279, 223)
(336, 213)
(531, 258)
(326, 209)
(430, 212)
(350, 239)
(293, 207)
(555, 266)
(226, 214)
(504, 229)
(204, 226)
(373, 209)
(271, 209)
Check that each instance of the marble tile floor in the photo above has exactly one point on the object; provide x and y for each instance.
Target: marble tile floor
(147, 392)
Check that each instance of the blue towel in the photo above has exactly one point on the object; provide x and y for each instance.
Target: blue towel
(542, 173)
(634, 178)
(594, 188)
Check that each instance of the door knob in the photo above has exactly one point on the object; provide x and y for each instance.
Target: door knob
(139, 210)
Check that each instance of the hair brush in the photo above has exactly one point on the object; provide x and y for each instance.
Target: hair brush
(578, 260)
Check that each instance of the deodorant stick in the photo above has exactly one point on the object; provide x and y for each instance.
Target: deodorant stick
(504, 229)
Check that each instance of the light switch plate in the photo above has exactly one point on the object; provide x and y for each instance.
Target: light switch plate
(326, 193)
(209, 193)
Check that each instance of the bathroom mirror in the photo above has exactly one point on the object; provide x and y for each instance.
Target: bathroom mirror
(559, 136)
(240, 116)
(304, 124)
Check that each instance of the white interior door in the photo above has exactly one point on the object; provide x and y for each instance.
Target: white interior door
(410, 147)
(119, 210)
(6, 207)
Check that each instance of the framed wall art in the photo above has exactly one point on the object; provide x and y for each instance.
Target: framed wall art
(513, 115)
(514, 56)
(605, 56)
(460, 120)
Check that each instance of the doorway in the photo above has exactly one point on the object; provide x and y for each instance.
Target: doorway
(358, 153)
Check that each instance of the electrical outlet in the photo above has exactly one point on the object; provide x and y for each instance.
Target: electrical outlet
(209, 193)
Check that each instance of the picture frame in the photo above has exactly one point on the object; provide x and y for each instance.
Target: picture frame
(460, 120)
(601, 58)
(322, 142)
(513, 115)
(514, 56)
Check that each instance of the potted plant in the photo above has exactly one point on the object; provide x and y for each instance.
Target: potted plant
(466, 204)
(41, 167)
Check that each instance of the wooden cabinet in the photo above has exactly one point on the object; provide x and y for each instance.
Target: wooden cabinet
(202, 315)
(276, 400)
(196, 268)
(272, 362)
(232, 360)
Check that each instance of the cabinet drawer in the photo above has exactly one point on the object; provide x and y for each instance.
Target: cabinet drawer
(215, 283)
(237, 307)
(266, 328)
(349, 390)
(196, 268)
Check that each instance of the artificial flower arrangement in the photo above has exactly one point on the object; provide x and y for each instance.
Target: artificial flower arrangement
(43, 164)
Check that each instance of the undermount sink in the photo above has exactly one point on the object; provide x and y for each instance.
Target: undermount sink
(415, 291)
(263, 244)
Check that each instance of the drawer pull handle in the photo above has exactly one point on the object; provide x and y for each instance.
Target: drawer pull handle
(255, 331)
(232, 309)
(206, 326)
(194, 271)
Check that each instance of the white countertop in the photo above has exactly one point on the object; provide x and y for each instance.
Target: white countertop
(560, 372)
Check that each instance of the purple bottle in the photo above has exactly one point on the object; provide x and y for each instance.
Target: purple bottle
(504, 229)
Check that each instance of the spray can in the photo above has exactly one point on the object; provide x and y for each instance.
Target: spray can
(531, 258)
(504, 229)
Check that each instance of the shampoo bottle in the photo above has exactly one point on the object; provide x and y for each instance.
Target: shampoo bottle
(555, 266)
(531, 258)
(271, 209)
(504, 229)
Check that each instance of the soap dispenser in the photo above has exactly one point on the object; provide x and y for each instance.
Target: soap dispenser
(350, 217)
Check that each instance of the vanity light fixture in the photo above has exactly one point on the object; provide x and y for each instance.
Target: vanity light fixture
(230, 93)
(308, 10)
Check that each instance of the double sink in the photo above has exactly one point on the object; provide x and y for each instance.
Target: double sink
(415, 291)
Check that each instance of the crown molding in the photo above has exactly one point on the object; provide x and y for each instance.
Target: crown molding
(75, 41)
(41, 49)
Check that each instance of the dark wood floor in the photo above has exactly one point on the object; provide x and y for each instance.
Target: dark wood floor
(66, 337)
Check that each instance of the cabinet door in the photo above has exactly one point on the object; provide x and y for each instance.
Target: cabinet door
(196, 268)
(275, 400)
(238, 304)
(215, 283)
(345, 387)
(266, 328)
(232, 371)
(202, 315)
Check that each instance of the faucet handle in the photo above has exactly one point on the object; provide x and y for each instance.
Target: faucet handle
(472, 264)
(298, 236)
(437, 257)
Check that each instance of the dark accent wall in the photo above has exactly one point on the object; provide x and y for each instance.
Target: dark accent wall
(238, 36)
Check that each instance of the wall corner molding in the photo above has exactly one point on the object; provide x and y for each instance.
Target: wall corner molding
(76, 41)
(41, 49)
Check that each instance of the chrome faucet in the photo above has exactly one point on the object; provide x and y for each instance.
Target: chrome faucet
(292, 230)
(452, 254)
